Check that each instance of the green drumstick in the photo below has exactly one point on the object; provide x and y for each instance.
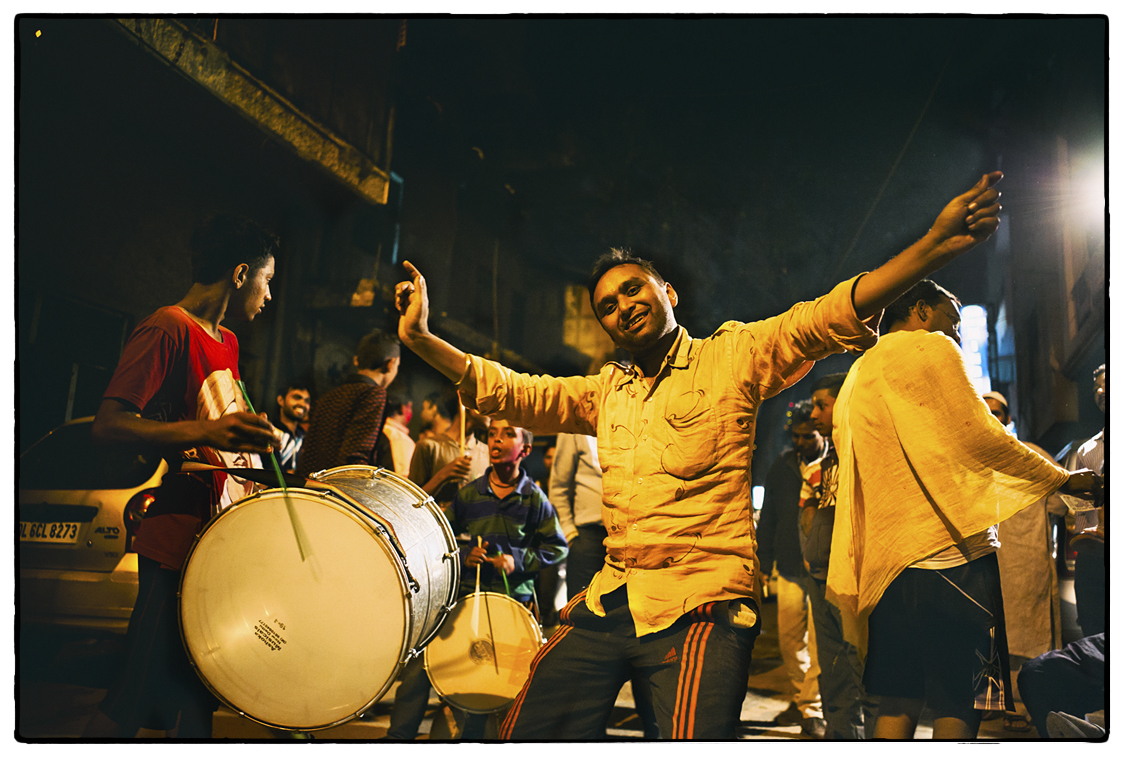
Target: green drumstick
(298, 529)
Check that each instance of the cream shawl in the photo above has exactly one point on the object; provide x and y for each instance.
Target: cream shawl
(923, 465)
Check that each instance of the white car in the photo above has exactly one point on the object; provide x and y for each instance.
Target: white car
(79, 505)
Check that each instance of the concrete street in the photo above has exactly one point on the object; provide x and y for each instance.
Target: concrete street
(61, 679)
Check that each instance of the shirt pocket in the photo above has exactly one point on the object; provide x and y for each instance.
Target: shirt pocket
(692, 436)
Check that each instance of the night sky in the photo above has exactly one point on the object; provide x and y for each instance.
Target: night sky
(757, 160)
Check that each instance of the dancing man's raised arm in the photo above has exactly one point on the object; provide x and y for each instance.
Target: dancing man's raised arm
(414, 331)
(965, 222)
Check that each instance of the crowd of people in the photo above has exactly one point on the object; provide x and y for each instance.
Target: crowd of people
(893, 493)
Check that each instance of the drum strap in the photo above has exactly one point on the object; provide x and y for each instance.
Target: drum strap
(261, 476)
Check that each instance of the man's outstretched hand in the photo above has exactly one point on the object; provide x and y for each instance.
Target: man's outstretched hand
(413, 305)
(969, 218)
(965, 222)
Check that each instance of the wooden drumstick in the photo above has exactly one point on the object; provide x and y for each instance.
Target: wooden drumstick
(488, 617)
(461, 428)
(476, 619)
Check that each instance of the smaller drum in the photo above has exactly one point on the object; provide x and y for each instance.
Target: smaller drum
(482, 670)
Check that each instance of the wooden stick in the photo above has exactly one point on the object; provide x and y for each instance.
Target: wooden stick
(461, 419)
(298, 529)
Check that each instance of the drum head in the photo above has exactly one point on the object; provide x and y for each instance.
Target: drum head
(289, 643)
(460, 660)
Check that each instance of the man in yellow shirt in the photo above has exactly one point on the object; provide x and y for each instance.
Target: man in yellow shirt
(675, 601)
(925, 474)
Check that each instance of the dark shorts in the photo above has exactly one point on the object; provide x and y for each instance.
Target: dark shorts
(939, 635)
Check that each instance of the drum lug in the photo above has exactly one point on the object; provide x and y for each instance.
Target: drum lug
(449, 555)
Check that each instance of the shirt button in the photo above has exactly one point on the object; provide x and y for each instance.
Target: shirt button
(635, 525)
(639, 480)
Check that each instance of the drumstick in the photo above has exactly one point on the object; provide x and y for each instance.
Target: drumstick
(476, 619)
(461, 427)
(489, 619)
(298, 529)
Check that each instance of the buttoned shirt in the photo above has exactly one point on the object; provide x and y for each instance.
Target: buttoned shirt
(676, 453)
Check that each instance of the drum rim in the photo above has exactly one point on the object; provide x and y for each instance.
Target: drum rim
(426, 659)
(331, 498)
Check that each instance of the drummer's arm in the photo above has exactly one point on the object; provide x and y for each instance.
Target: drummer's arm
(118, 423)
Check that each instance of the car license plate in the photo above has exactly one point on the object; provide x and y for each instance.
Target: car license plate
(49, 532)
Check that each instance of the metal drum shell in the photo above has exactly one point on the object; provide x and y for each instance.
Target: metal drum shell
(409, 524)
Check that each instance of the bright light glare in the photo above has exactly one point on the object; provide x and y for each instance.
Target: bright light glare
(975, 346)
(758, 492)
(1089, 190)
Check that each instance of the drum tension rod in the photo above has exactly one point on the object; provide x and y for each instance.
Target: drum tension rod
(397, 547)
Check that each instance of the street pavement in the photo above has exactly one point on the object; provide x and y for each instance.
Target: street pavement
(61, 679)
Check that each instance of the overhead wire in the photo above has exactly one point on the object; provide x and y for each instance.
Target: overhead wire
(891, 173)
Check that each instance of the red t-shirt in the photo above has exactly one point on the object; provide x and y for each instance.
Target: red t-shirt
(172, 370)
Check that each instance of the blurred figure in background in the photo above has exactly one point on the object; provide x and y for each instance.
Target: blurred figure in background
(347, 422)
(1028, 569)
(1090, 538)
(397, 434)
(443, 464)
(847, 708)
(778, 543)
(293, 412)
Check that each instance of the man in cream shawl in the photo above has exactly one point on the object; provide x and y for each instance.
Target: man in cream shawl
(926, 473)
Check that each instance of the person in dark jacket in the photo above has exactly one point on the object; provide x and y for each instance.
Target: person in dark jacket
(777, 534)
(347, 422)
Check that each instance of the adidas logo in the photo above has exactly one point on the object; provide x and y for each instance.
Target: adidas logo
(670, 657)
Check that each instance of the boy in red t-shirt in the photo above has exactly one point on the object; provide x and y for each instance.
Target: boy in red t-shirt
(175, 395)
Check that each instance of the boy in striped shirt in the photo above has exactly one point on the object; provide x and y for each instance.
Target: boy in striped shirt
(517, 526)
(519, 535)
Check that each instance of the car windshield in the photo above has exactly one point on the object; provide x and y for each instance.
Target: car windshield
(67, 459)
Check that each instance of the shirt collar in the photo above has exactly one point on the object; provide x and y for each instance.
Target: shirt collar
(524, 483)
(679, 356)
(358, 377)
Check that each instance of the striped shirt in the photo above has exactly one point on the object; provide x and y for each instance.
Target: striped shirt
(523, 524)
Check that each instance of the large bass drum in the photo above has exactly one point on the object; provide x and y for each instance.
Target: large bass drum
(483, 653)
(306, 644)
